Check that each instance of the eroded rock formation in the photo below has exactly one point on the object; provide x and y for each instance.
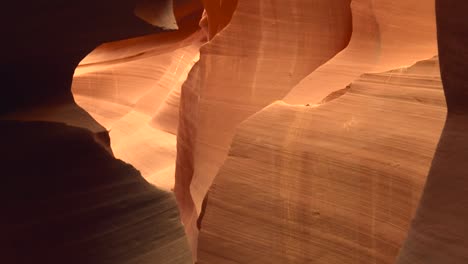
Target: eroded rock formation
(299, 186)
(439, 231)
(65, 197)
(285, 64)
(297, 131)
(235, 78)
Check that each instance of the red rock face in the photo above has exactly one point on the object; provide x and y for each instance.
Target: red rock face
(317, 189)
(299, 131)
(438, 231)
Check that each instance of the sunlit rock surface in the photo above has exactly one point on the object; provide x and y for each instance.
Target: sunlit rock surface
(137, 100)
(264, 51)
(386, 35)
(299, 131)
(301, 53)
(334, 183)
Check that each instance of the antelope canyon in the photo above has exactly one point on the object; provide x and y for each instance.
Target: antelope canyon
(234, 131)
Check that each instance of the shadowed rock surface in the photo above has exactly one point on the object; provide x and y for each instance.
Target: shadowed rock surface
(66, 199)
(439, 232)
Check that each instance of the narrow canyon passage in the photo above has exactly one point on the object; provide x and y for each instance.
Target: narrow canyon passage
(235, 131)
(137, 100)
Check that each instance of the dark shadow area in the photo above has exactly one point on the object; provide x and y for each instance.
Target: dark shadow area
(65, 199)
(45, 40)
(439, 231)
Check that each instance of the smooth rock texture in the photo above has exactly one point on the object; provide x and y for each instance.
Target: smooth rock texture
(386, 35)
(299, 131)
(439, 232)
(217, 15)
(266, 49)
(66, 199)
(297, 52)
(132, 88)
(335, 183)
(136, 98)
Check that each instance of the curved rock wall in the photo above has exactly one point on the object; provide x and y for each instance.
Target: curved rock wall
(297, 131)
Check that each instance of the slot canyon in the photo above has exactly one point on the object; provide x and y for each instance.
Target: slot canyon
(234, 131)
